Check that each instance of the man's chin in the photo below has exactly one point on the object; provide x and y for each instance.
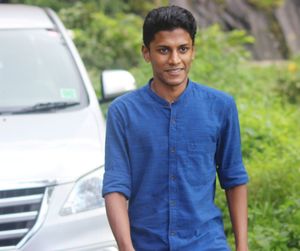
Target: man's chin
(175, 83)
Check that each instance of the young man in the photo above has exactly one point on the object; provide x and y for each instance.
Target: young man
(165, 143)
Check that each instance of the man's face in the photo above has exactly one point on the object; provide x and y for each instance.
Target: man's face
(171, 54)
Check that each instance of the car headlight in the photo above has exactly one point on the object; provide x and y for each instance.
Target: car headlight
(86, 194)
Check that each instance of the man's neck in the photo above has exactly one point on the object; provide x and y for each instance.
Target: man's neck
(168, 92)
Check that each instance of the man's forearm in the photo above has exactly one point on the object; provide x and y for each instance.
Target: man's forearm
(117, 213)
(238, 208)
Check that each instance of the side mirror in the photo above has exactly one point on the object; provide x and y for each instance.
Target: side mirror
(116, 83)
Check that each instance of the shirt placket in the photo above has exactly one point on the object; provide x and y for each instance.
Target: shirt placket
(172, 176)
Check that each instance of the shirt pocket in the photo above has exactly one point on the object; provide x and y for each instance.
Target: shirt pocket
(201, 168)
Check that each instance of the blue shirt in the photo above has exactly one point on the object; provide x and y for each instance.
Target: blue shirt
(164, 158)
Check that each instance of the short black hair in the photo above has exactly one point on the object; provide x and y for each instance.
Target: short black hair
(168, 18)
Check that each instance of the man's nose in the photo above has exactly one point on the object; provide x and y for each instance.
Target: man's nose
(174, 58)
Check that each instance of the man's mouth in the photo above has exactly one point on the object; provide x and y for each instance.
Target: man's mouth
(174, 70)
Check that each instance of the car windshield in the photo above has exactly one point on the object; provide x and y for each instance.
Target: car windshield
(37, 68)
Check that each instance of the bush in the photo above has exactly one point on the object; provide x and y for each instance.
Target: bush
(288, 82)
(218, 56)
(104, 41)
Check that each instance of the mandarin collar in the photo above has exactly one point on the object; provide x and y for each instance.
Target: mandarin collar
(181, 99)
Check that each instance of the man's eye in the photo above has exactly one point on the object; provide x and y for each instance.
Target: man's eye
(183, 49)
(163, 50)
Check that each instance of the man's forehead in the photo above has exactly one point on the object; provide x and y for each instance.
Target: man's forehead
(175, 33)
(169, 37)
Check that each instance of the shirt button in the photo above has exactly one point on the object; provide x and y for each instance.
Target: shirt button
(173, 177)
(172, 233)
(172, 203)
(173, 149)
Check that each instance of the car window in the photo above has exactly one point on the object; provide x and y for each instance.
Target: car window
(36, 67)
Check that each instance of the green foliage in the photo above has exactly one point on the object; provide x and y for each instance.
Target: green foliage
(218, 55)
(266, 4)
(288, 82)
(143, 7)
(113, 7)
(104, 41)
(109, 7)
(53, 4)
(270, 146)
(271, 143)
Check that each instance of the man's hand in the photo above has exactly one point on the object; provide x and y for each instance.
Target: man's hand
(117, 213)
(237, 204)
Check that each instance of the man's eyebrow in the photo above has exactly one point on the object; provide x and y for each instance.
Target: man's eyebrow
(167, 46)
(163, 45)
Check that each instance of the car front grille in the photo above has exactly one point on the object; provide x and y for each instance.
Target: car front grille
(19, 209)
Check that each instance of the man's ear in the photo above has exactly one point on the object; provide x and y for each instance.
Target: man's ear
(146, 53)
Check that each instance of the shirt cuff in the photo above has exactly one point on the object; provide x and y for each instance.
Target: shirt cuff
(116, 183)
(233, 177)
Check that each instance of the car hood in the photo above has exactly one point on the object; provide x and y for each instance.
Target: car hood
(52, 147)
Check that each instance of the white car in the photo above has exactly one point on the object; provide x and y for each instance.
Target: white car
(51, 137)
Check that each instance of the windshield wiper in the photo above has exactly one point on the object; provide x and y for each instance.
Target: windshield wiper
(49, 106)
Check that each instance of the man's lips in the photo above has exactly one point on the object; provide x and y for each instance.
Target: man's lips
(174, 70)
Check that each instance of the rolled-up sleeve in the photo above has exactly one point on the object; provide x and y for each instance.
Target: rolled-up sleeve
(231, 170)
(117, 176)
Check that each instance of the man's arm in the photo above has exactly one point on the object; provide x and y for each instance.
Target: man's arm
(117, 213)
(237, 204)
